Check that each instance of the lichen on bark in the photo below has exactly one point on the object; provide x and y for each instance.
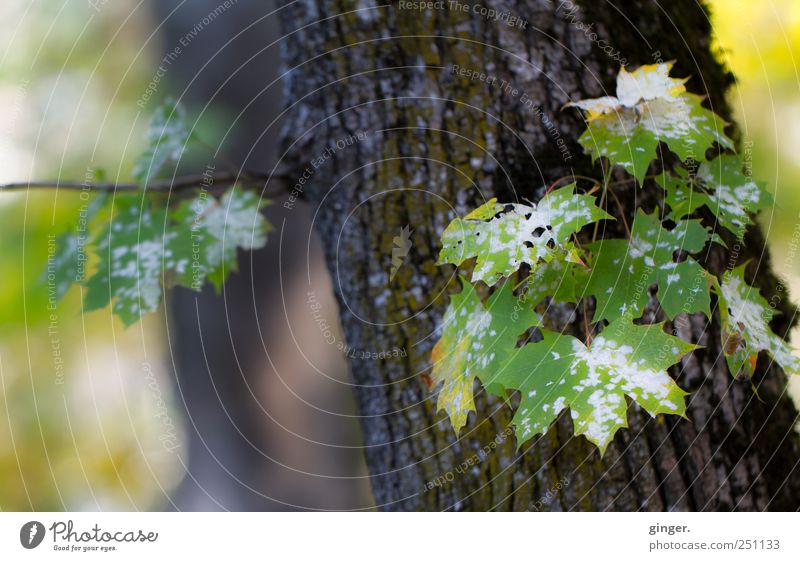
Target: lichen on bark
(439, 144)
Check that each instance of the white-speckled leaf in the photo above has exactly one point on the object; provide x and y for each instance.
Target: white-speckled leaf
(623, 270)
(209, 232)
(560, 372)
(652, 108)
(166, 138)
(734, 195)
(475, 341)
(723, 188)
(745, 318)
(132, 259)
(146, 248)
(679, 195)
(561, 280)
(65, 263)
(503, 237)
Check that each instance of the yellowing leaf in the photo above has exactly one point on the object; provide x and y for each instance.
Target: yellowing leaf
(475, 341)
(648, 82)
(650, 108)
(745, 327)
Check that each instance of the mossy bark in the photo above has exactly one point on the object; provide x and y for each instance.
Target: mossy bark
(438, 144)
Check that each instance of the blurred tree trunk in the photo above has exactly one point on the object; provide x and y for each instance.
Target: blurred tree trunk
(435, 145)
(233, 362)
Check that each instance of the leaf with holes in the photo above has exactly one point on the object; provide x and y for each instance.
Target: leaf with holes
(623, 270)
(503, 237)
(475, 341)
(723, 188)
(745, 316)
(560, 372)
(650, 108)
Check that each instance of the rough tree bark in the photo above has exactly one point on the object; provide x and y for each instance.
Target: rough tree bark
(437, 144)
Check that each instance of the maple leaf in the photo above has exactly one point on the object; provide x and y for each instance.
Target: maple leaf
(623, 270)
(745, 316)
(561, 280)
(131, 252)
(503, 237)
(475, 341)
(146, 247)
(167, 136)
(209, 232)
(560, 372)
(646, 83)
(650, 107)
(723, 188)
(65, 264)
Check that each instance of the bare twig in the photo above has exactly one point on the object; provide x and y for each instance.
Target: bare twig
(168, 185)
(560, 179)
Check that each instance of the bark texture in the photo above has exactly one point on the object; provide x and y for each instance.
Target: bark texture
(437, 144)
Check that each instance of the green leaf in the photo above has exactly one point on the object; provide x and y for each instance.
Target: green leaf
(557, 279)
(65, 263)
(475, 341)
(209, 231)
(623, 270)
(167, 137)
(679, 195)
(650, 107)
(560, 372)
(132, 259)
(725, 190)
(147, 247)
(503, 237)
(745, 316)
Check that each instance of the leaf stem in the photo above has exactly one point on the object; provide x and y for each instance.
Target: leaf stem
(586, 329)
(606, 177)
(621, 212)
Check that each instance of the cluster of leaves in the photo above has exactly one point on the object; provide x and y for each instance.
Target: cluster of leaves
(148, 242)
(536, 250)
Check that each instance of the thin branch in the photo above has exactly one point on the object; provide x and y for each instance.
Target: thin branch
(621, 212)
(169, 185)
(573, 177)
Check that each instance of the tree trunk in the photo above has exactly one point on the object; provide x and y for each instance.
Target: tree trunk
(433, 145)
(242, 450)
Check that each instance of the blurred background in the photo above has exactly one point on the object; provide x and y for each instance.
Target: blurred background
(186, 409)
